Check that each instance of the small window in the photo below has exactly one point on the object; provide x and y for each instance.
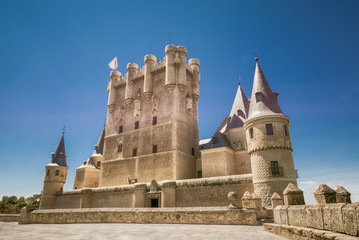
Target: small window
(75, 188)
(98, 164)
(192, 151)
(154, 120)
(286, 130)
(119, 148)
(199, 174)
(275, 168)
(61, 189)
(57, 172)
(259, 96)
(251, 133)
(137, 124)
(134, 152)
(120, 129)
(269, 128)
(48, 172)
(214, 140)
(154, 148)
(240, 113)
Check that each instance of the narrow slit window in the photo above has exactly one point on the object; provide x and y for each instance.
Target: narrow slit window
(119, 149)
(134, 152)
(154, 120)
(48, 172)
(269, 129)
(120, 129)
(137, 124)
(154, 148)
(286, 130)
(192, 151)
(251, 133)
(98, 164)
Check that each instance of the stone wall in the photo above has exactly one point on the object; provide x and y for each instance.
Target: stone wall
(9, 217)
(338, 217)
(218, 216)
(199, 192)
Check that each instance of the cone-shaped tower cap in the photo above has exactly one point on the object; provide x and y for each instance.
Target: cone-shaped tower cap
(239, 112)
(100, 143)
(263, 101)
(59, 156)
(323, 189)
(291, 189)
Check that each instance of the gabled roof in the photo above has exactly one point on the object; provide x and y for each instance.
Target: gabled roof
(89, 163)
(218, 140)
(268, 105)
(59, 156)
(100, 143)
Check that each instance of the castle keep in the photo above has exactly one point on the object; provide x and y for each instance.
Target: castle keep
(150, 155)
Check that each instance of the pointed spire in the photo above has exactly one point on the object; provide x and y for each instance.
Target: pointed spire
(263, 100)
(100, 143)
(59, 156)
(239, 110)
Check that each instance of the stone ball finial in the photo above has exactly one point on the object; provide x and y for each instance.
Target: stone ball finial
(232, 196)
(256, 59)
(30, 200)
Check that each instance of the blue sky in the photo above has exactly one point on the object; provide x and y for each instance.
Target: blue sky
(53, 72)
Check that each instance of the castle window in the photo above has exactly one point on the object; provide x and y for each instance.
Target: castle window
(199, 174)
(137, 124)
(57, 173)
(286, 130)
(120, 129)
(98, 164)
(275, 168)
(61, 189)
(259, 97)
(154, 120)
(48, 172)
(119, 148)
(251, 133)
(214, 140)
(154, 148)
(269, 128)
(240, 113)
(192, 151)
(134, 152)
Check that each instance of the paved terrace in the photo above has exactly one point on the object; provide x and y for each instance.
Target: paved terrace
(9, 231)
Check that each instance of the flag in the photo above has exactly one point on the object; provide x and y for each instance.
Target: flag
(113, 64)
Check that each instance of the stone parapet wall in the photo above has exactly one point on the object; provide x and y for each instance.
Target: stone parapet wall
(302, 233)
(338, 217)
(218, 216)
(9, 217)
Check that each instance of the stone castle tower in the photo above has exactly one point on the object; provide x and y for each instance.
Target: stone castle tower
(268, 138)
(55, 176)
(152, 122)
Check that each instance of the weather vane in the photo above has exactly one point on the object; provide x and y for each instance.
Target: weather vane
(63, 130)
(255, 50)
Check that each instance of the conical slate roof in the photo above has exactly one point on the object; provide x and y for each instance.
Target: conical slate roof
(88, 164)
(239, 110)
(59, 156)
(100, 143)
(263, 101)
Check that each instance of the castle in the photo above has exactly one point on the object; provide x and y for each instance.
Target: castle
(150, 155)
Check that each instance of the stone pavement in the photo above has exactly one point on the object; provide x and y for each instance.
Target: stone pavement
(9, 231)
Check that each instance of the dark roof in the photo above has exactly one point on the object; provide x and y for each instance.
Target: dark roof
(269, 103)
(59, 156)
(100, 143)
(218, 140)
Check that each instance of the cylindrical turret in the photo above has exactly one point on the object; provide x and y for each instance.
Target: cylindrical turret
(270, 149)
(55, 178)
(114, 77)
(194, 64)
(150, 60)
(170, 52)
(182, 75)
(131, 70)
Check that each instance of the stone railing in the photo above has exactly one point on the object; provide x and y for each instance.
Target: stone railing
(9, 217)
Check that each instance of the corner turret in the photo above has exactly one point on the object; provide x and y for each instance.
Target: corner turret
(55, 176)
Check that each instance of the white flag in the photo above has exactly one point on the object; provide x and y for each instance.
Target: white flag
(113, 64)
